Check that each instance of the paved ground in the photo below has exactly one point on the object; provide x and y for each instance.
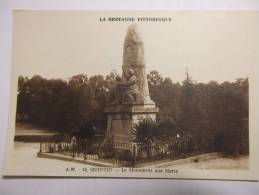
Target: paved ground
(218, 163)
(24, 159)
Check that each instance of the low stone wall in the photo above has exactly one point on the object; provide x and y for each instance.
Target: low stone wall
(91, 162)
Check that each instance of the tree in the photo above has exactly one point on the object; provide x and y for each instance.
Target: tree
(154, 78)
(214, 116)
(145, 130)
(23, 99)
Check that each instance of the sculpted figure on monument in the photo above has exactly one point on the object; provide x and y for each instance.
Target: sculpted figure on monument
(131, 88)
(126, 91)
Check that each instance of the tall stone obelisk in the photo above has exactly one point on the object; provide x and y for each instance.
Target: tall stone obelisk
(133, 58)
(124, 115)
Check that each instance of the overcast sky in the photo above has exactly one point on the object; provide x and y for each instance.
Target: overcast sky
(219, 46)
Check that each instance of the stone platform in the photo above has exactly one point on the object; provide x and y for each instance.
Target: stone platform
(122, 118)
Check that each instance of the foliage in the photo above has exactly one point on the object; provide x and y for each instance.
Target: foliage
(150, 130)
(214, 116)
(145, 130)
(62, 105)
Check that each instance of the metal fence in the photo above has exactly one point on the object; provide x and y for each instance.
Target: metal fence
(84, 151)
(121, 154)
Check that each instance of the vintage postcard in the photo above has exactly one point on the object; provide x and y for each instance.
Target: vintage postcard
(142, 94)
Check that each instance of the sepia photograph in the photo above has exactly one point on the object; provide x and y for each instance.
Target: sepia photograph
(142, 94)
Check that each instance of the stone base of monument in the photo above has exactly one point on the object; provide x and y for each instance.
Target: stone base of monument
(122, 118)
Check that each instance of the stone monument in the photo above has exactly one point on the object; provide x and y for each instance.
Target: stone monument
(133, 103)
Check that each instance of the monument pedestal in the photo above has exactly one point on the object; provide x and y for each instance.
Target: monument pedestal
(122, 118)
